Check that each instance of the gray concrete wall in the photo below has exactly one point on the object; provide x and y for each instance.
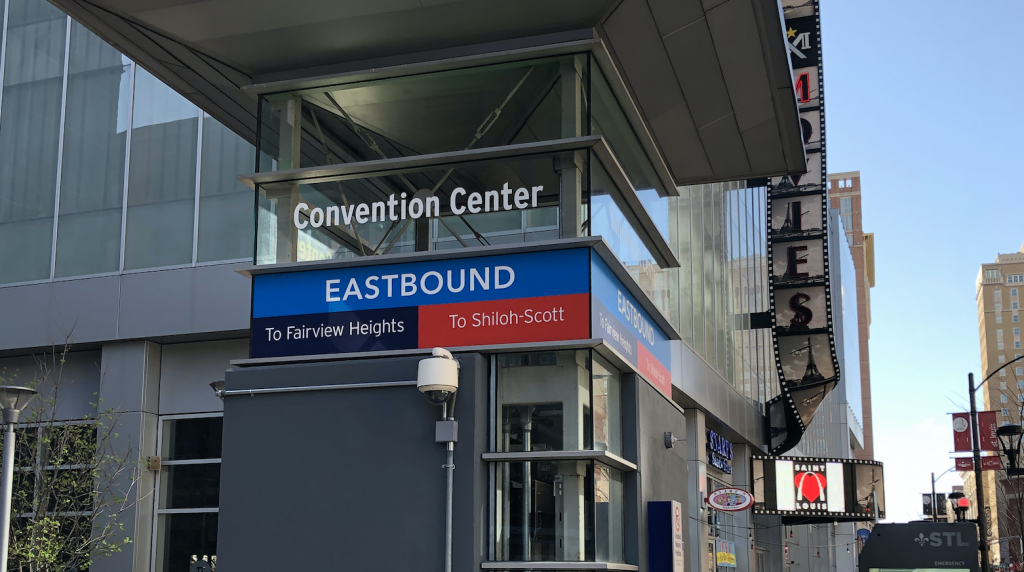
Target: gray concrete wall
(701, 387)
(72, 386)
(130, 386)
(349, 478)
(138, 305)
(663, 471)
(187, 369)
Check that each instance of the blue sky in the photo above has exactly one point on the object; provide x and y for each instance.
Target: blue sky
(925, 98)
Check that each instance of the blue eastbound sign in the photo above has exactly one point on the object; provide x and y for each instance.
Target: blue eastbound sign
(621, 321)
(514, 298)
(551, 295)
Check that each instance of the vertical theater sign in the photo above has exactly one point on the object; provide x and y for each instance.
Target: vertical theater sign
(801, 302)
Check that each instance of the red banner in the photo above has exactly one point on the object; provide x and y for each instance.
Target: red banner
(962, 431)
(987, 464)
(987, 430)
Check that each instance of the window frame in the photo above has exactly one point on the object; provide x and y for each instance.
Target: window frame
(37, 428)
(595, 457)
(158, 479)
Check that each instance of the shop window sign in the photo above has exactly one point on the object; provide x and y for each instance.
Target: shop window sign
(719, 452)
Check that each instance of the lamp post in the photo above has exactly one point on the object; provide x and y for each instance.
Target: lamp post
(935, 506)
(13, 400)
(1009, 441)
(976, 441)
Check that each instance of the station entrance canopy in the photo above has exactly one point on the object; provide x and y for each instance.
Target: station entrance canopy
(706, 85)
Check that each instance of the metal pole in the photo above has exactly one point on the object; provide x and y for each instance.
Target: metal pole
(450, 467)
(448, 414)
(935, 507)
(979, 486)
(6, 488)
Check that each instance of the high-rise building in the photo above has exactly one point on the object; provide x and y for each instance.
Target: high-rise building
(844, 194)
(999, 288)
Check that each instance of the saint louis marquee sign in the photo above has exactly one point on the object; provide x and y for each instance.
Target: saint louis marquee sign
(801, 301)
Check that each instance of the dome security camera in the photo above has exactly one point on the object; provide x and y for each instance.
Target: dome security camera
(438, 376)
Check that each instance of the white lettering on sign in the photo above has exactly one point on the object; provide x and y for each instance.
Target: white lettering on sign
(401, 208)
(429, 283)
(354, 328)
(509, 318)
(634, 317)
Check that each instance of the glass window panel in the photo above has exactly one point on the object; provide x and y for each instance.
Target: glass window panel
(92, 169)
(486, 106)
(339, 233)
(721, 286)
(190, 486)
(709, 274)
(161, 176)
(182, 536)
(197, 438)
(225, 204)
(544, 401)
(611, 122)
(545, 511)
(697, 259)
(29, 138)
(607, 514)
(683, 215)
(607, 407)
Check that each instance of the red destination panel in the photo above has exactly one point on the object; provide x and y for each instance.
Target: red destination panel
(542, 319)
(653, 370)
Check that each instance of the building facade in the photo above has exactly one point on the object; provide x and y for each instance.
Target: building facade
(845, 195)
(146, 186)
(999, 286)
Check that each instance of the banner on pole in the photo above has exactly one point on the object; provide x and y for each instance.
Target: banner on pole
(987, 426)
(987, 464)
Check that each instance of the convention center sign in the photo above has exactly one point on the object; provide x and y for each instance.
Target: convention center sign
(517, 298)
(798, 250)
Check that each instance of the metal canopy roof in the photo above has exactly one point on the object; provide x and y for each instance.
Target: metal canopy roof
(708, 81)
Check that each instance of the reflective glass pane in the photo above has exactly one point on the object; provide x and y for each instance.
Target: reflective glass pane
(476, 204)
(544, 511)
(92, 169)
(607, 407)
(161, 176)
(610, 122)
(182, 539)
(697, 272)
(225, 204)
(607, 514)
(190, 486)
(29, 138)
(709, 227)
(607, 220)
(684, 252)
(486, 106)
(544, 401)
(198, 438)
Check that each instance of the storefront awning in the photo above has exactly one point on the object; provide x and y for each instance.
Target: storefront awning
(708, 82)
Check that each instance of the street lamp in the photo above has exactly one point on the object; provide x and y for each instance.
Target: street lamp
(935, 506)
(976, 450)
(12, 400)
(1009, 440)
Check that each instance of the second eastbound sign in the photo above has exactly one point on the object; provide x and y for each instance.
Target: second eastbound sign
(489, 300)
